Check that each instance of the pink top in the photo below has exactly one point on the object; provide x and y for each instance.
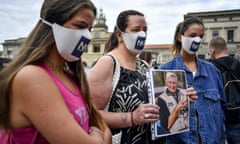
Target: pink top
(75, 104)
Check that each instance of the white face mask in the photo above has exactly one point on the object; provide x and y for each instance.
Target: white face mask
(191, 44)
(71, 43)
(134, 41)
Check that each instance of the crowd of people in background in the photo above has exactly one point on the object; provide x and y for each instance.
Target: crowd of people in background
(108, 103)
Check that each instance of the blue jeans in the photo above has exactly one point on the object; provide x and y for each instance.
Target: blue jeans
(233, 133)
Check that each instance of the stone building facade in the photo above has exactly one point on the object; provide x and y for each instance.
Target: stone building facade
(100, 36)
(217, 23)
(11, 47)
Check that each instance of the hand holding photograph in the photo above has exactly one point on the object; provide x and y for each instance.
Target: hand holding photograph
(167, 89)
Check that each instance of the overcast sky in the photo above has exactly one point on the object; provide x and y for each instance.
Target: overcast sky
(18, 17)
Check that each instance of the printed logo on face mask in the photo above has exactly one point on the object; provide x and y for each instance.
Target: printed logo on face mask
(80, 47)
(140, 43)
(195, 46)
(191, 44)
(67, 41)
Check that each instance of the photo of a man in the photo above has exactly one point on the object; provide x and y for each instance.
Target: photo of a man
(169, 90)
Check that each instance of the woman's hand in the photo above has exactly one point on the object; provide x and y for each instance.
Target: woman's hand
(107, 136)
(192, 94)
(103, 137)
(97, 134)
(146, 113)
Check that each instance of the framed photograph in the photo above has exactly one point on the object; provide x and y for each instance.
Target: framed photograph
(167, 88)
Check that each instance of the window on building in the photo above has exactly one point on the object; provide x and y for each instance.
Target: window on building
(230, 35)
(9, 53)
(96, 48)
(215, 33)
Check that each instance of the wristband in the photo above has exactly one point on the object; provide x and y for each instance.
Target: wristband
(133, 124)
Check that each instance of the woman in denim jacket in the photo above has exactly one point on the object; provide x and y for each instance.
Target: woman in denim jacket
(206, 113)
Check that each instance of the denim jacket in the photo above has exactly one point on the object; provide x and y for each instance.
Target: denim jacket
(206, 115)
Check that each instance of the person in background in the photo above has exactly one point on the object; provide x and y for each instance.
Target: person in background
(173, 104)
(45, 96)
(154, 64)
(125, 108)
(147, 57)
(206, 117)
(221, 59)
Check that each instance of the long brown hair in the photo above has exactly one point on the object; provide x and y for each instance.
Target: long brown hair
(36, 49)
(176, 43)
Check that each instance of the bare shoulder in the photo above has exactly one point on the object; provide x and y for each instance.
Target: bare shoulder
(36, 100)
(32, 77)
(100, 80)
(104, 61)
(103, 67)
(29, 72)
(33, 83)
(31, 90)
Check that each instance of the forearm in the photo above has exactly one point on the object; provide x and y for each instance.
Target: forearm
(117, 119)
(172, 118)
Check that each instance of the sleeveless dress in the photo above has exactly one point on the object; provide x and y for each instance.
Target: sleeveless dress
(75, 104)
(130, 92)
